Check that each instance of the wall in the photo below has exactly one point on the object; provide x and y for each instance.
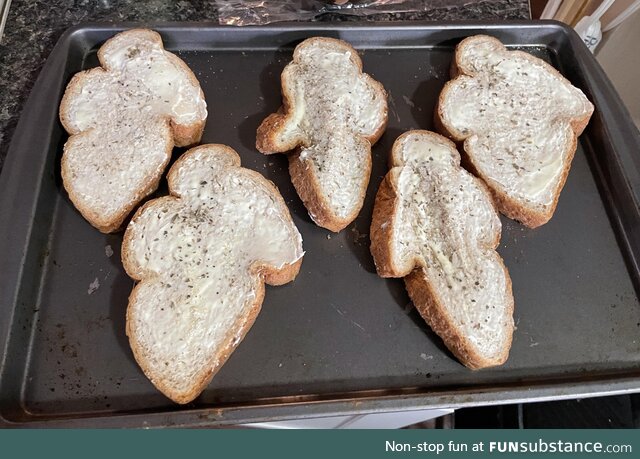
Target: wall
(619, 55)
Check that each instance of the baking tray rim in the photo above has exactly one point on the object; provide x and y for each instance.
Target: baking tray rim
(354, 403)
(303, 407)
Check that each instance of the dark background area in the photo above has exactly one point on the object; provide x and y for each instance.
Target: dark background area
(615, 412)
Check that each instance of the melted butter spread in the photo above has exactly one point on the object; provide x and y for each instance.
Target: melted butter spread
(515, 114)
(334, 105)
(122, 111)
(447, 226)
(198, 255)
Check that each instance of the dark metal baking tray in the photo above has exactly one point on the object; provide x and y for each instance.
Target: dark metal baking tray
(339, 339)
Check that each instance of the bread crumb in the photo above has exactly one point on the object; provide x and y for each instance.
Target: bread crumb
(93, 286)
(328, 236)
(108, 251)
(408, 101)
(424, 356)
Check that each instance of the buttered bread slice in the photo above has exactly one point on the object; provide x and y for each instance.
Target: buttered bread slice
(201, 257)
(332, 113)
(434, 224)
(124, 119)
(519, 120)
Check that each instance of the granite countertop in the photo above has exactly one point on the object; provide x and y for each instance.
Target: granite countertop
(34, 26)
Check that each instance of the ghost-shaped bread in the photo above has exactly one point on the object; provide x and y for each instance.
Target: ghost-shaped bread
(518, 119)
(201, 257)
(331, 114)
(124, 119)
(435, 225)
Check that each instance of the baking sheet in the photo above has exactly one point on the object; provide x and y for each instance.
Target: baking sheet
(339, 339)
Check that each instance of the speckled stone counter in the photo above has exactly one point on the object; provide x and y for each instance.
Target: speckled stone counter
(34, 26)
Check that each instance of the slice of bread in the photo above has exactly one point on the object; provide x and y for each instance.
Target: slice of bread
(202, 256)
(435, 225)
(334, 113)
(519, 120)
(124, 119)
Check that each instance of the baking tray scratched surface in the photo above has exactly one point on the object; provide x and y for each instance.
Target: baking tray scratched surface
(338, 331)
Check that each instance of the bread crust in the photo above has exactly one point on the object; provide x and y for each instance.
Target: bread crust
(382, 224)
(421, 292)
(94, 216)
(178, 135)
(261, 274)
(303, 178)
(433, 312)
(205, 377)
(506, 204)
